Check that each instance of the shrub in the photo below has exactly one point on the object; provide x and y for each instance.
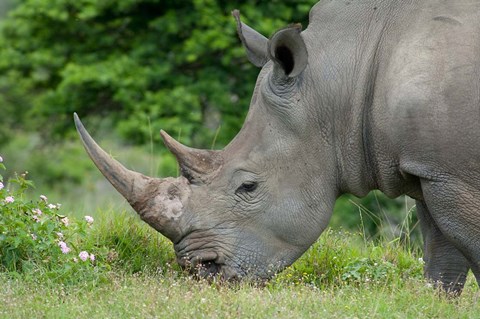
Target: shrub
(35, 238)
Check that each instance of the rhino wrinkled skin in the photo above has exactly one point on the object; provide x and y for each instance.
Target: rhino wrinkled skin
(372, 95)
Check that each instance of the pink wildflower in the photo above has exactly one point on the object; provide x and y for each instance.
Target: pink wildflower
(35, 218)
(83, 255)
(9, 199)
(1, 159)
(51, 206)
(92, 257)
(63, 246)
(37, 211)
(1, 186)
(89, 219)
(44, 198)
(65, 221)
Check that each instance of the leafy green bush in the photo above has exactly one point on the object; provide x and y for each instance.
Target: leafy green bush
(148, 64)
(36, 238)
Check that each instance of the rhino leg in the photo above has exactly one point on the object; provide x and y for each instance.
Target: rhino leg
(445, 265)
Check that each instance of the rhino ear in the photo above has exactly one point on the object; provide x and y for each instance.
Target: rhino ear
(288, 51)
(254, 43)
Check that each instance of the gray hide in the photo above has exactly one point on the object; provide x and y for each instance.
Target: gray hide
(372, 95)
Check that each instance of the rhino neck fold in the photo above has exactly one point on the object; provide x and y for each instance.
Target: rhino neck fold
(352, 65)
(347, 64)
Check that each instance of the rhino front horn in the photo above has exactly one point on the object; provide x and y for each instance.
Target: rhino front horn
(159, 202)
(195, 164)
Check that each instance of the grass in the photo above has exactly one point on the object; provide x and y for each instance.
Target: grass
(341, 276)
(158, 296)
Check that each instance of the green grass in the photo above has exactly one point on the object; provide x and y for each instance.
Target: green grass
(341, 276)
(159, 296)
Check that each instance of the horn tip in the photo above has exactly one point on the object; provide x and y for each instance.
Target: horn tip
(167, 139)
(78, 123)
(165, 136)
(173, 145)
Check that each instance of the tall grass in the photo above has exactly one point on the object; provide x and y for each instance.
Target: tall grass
(132, 245)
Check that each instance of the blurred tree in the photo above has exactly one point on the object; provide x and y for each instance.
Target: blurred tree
(148, 64)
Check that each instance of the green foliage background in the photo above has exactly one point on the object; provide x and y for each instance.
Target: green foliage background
(130, 68)
(145, 64)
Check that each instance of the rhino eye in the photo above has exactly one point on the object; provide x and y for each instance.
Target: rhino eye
(247, 187)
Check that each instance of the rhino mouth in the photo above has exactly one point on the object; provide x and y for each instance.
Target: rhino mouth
(209, 266)
(208, 270)
(203, 265)
(212, 270)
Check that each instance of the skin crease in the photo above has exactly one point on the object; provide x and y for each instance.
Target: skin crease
(387, 96)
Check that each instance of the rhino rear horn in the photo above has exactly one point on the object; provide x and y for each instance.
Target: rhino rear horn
(195, 164)
(254, 43)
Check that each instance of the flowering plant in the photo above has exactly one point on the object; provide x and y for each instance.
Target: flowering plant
(34, 236)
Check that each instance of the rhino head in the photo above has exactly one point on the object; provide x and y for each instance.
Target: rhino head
(254, 207)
